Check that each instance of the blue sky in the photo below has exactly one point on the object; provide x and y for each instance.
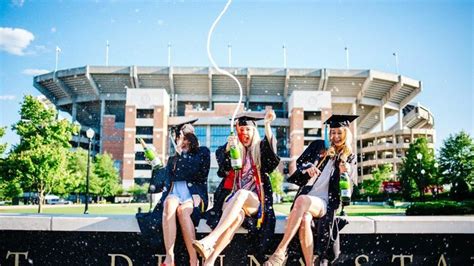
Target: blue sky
(434, 41)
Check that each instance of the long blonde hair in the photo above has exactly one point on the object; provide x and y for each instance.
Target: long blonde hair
(346, 150)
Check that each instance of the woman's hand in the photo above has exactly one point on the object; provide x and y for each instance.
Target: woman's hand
(344, 167)
(231, 140)
(179, 144)
(269, 116)
(312, 171)
(196, 200)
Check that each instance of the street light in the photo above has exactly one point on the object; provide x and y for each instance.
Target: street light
(90, 134)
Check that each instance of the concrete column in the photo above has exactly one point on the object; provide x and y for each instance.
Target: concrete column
(74, 118)
(296, 136)
(128, 166)
(382, 118)
(208, 136)
(400, 119)
(74, 112)
(354, 129)
(160, 130)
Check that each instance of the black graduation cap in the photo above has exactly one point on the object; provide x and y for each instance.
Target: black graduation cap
(336, 121)
(178, 124)
(249, 119)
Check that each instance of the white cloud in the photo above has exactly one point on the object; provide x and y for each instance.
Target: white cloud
(53, 29)
(18, 3)
(34, 72)
(15, 40)
(7, 97)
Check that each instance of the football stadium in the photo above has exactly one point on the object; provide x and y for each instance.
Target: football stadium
(123, 103)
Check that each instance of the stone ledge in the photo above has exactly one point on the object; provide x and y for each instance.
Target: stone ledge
(128, 223)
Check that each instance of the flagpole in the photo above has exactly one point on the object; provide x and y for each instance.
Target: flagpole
(347, 57)
(107, 54)
(58, 50)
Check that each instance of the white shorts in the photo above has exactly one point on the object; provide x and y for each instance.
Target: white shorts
(321, 202)
(181, 191)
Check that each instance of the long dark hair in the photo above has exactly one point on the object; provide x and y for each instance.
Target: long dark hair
(193, 142)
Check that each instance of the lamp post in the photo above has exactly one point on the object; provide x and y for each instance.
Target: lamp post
(90, 134)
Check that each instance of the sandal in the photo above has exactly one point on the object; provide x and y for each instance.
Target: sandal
(276, 259)
(203, 250)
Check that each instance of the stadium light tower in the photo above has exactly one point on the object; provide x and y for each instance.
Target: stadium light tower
(169, 54)
(396, 61)
(284, 56)
(347, 57)
(229, 49)
(58, 50)
(107, 54)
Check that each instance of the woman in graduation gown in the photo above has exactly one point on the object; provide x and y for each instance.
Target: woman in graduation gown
(318, 173)
(184, 196)
(244, 197)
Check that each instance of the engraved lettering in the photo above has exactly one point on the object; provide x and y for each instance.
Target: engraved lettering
(358, 263)
(112, 259)
(402, 258)
(17, 256)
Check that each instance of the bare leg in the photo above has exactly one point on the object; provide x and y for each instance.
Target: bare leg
(243, 199)
(303, 204)
(306, 238)
(187, 228)
(169, 227)
(225, 239)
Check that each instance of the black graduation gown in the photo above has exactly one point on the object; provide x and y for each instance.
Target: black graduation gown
(326, 243)
(192, 168)
(258, 237)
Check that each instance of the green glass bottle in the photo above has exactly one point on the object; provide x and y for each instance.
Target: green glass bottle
(345, 188)
(150, 155)
(235, 158)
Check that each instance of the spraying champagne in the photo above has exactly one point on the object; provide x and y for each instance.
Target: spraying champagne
(345, 187)
(150, 155)
(235, 157)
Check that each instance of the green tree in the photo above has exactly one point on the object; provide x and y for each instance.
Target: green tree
(38, 160)
(276, 179)
(3, 146)
(381, 173)
(107, 174)
(418, 169)
(75, 182)
(456, 163)
(137, 191)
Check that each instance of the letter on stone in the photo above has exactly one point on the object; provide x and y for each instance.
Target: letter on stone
(17, 256)
(112, 260)
(356, 261)
(402, 258)
(442, 261)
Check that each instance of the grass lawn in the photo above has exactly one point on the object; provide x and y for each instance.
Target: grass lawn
(354, 210)
(94, 209)
(130, 209)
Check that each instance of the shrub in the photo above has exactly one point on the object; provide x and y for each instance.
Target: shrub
(441, 208)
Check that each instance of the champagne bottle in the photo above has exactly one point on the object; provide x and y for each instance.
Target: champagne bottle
(235, 158)
(150, 155)
(345, 187)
